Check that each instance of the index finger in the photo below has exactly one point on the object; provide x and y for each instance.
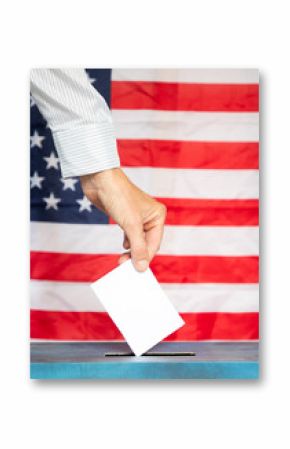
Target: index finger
(153, 237)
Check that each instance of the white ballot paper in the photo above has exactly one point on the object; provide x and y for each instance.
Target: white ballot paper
(138, 306)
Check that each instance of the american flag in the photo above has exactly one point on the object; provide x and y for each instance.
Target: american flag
(188, 137)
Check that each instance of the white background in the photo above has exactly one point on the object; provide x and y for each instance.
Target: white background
(199, 414)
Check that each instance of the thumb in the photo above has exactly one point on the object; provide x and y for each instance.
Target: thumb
(138, 245)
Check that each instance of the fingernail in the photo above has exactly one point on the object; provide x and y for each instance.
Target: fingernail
(141, 265)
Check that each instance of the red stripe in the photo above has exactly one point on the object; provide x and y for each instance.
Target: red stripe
(179, 154)
(71, 267)
(168, 269)
(185, 96)
(99, 326)
(210, 212)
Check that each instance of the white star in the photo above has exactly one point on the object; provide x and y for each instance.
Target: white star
(52, 161)
(36, 180)
(91, 80)
(36, 140)
(69, 183)
(85, 204)
(51, 202)
(32, 101)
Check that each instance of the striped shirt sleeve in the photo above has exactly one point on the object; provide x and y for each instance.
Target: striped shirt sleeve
(79, 118)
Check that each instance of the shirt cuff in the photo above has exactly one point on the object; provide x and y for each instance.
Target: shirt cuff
(87, 149)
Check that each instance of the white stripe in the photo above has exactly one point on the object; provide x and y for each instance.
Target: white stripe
(76, 238)
(210, 240)
(177, 240)
(196, 183)
(69, 296)
(186, 126)
(190, 75)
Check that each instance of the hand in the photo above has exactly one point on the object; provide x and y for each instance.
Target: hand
(139, 215)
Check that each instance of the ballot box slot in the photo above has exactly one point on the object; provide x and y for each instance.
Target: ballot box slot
(151, 354)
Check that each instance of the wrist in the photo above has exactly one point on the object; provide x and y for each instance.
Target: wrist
(99, 181)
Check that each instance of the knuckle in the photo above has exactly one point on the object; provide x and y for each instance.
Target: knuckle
(132, 223)
(163, 210)
(156, 249)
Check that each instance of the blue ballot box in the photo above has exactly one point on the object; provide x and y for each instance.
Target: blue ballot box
(167, 360)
